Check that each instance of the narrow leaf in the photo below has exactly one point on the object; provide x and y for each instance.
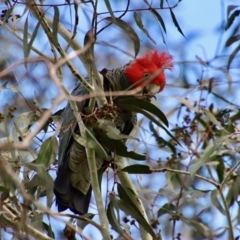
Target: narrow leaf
(138, 20)
(129, 31)
(111, 130)
(160, 140)
(108, 5)
(34, 34)
(7, 15)
(232, 40)
(212, 118)
(48, 229)
(35, 181)
(220, 169)
(91, 142)
(115, 223)
(176, 22)
(231, 19)
(120, 149)
(137, 169)
(82, 224)
(199, 227)
(159, 18)
(145, 105)
(48, 152)
(167, 208)
(140, 110)
(25, 40)
(216, 202)
(131, 200)
(207, 153)
(230, 8)
(49, 189)
(161, 3)
(149, 116)
(55, 24)
(139, 23)
(232, 56)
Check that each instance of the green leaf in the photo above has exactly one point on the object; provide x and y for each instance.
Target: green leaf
(232, 56)
(137, 169)
(36, 221)
(161, 3)
(212, 118)
(91, 142)
(160, 140)
(176, 22)
(167, 208)
(55, 24)
(159, 18)
(146, 2)
(48, 229)
(81, 223)
(35, 181)
(24, 121)
(28, 45)
(8, 15)
(111, 131)
(230, 8)
(4, 194)
(138, 109)
(120, 149)
(216, 202)
(138, 20)
(108, 5)
(231, 19)
(25, 40)
(34, 34)
(220, 169)
(48, 152)
(207, 154)
(49, 189)
(232, 40)
(97, 146)
(145, 105)
(129, 31)
(114, 222)
(198, 227)
(139, 23)
(131, 201)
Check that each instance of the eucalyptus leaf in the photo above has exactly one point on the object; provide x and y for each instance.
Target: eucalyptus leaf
(137, 169)
(167, 208)
(159, 18)
(128, 30)
(176, 22)
(131, 201)
(145, 105)
(48, 152)
(120, 149)
(114, 222)
(139, 23)
(207, 153)
(55, 24)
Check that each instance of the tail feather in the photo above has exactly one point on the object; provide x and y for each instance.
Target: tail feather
(67, 196)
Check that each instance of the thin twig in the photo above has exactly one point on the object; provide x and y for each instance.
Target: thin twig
(217, 185)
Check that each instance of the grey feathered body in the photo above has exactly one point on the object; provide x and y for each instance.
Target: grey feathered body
(72, 186)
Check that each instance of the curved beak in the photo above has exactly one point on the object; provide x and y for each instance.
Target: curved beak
(152, 88)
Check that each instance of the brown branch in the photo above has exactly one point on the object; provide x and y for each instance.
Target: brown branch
(217, 185)
(141, 9)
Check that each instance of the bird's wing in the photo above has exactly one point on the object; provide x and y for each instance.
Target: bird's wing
(71, 158)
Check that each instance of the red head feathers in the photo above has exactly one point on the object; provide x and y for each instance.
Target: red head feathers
(149, 64)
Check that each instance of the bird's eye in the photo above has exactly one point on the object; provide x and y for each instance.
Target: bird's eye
(146, 74)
